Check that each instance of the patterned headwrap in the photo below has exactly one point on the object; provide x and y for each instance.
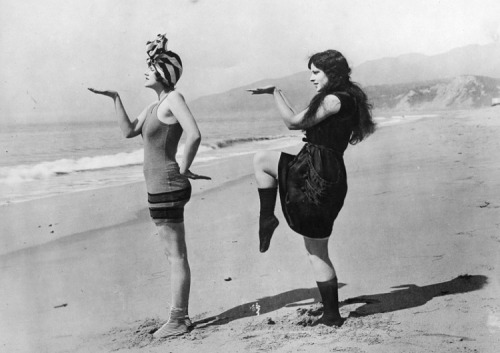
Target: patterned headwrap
(167, 63)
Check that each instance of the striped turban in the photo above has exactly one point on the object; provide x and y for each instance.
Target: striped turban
(167, 63)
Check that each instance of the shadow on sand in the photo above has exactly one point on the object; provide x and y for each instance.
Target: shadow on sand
(263, 306)
(407, 296)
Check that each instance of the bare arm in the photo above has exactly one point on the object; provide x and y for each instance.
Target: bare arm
(193, 136)
(129, 128)
(296, 121)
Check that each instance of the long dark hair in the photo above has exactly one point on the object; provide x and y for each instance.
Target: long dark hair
(335, 67)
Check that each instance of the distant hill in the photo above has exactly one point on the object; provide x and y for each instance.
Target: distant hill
(239, 103)
(462, 92)
(478, 60)
(467, 77)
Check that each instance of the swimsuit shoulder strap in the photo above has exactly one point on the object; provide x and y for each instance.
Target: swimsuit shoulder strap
(165, 97)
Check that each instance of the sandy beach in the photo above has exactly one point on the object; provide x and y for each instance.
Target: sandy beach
(416, 249)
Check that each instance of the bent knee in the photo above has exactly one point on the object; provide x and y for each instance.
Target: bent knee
(266, 161)
(260, 158)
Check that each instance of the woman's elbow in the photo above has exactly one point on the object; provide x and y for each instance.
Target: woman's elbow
(194, 137)
(293, 123)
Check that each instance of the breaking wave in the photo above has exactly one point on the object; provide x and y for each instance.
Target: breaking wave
(43, 170)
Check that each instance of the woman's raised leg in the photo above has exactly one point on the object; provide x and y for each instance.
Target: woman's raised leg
(326, 280)
(173, 235)
(265, 165)
(266, 174)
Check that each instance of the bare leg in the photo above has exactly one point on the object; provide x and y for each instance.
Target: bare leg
(317, 251)
(173, 235)
(326, 279)
(265, 164)
(266, 172)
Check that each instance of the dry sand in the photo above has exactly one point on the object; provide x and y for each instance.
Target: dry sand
(416, 249)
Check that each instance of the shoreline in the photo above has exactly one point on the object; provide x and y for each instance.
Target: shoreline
(218, 149)
(93, 179)
(62, 223)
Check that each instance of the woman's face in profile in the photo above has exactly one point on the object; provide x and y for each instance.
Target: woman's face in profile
(150, 77)
(318, 78)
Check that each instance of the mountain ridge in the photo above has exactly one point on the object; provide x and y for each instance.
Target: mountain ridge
(481, 60)
(466, 77)
(460, 92)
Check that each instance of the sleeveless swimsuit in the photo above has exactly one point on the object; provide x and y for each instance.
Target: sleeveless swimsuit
(313, 184)
(168, 190)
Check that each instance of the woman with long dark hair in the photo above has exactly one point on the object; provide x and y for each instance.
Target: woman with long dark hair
(161, 125)
(313, 184)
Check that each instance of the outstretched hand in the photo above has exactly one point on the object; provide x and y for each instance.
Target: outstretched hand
(195, 176)
(262, 90)
(112, 94)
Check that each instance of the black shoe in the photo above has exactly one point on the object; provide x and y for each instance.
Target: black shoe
(266, 230)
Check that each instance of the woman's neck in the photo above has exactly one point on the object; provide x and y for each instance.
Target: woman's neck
(164, 92)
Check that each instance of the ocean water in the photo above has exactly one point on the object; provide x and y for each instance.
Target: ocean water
(42, 160)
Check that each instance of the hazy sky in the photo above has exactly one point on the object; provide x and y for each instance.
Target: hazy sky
(52, 50)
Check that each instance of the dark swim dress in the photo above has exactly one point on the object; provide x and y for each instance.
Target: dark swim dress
(313, 184)
(168, 190)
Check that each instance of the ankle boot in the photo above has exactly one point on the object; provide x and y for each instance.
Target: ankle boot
(329, 291)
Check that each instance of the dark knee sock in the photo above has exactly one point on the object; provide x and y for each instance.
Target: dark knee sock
(268, 221)
(267, 201)
(329, 291)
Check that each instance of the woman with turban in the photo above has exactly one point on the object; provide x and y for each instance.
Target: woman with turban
(161, 125)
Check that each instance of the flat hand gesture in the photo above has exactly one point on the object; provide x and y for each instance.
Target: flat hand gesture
(112, 94)
(262, 90)
(195, 176)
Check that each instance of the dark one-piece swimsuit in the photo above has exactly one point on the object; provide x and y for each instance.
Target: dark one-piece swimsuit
(168, 190)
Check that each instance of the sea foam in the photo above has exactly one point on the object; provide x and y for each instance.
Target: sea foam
(43, 170)
(48, 169)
